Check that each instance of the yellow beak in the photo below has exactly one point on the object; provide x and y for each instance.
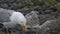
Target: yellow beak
(25, 27)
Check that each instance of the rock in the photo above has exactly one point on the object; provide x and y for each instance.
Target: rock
(53, 8)
(4, 6)
(50, 26)
(2, 32)
(48, 11)
(44, 17)
(37, 8)
(32, 19)
(24, 10)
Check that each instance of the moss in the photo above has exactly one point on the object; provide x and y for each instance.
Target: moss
(48, 33)
(58, 5)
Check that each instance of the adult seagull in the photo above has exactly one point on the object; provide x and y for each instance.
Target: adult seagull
(11, 18)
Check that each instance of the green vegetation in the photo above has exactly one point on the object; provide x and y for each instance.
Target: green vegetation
(43, 3)
(53, 2)
(19, 4)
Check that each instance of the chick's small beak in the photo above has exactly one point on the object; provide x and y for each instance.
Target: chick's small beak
(25, 27)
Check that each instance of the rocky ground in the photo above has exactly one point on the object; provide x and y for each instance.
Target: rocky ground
(45, 12)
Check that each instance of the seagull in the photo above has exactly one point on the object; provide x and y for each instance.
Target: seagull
(11, 18)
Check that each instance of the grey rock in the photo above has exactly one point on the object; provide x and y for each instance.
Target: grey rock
(24, 10)
(2, 32)
(37, 8)
(44, 17)
(48, 11)
(50, 25)
(32, 19)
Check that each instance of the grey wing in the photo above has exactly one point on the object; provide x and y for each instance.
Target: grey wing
(4, 16)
